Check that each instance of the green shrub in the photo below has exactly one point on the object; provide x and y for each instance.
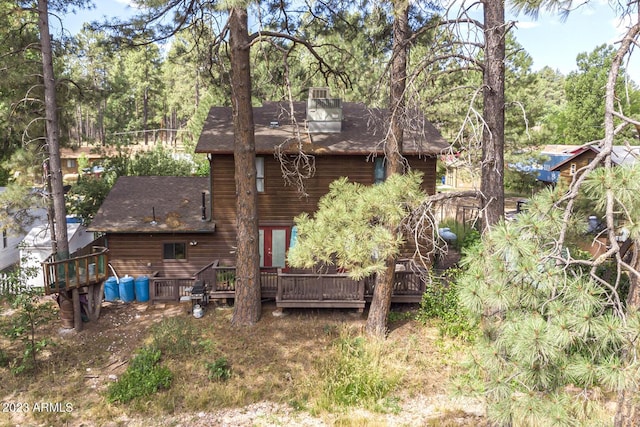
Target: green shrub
(23, 325)
(219, 370)
(466, 234)
(228, 277)
(399, 316)
(440, 302)
(357, 375)
(143, 377)
(471, 237)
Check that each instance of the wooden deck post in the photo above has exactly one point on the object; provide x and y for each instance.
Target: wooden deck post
(77, 312)
(94, 299)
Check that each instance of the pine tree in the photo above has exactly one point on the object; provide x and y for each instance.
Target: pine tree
(357, 227)
(558, 336)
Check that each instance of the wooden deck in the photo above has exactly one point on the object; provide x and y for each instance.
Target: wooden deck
(292, 289)
(79, 274)
(76, 272)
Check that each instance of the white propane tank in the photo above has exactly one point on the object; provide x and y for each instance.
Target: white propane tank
(198, 312)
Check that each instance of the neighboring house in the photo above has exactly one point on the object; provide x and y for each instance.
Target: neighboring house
(555, 154)
(585, 154)
(342, 139)
(9, 241)
(95, 156)
(70, 159)
(36, 248)
(459, 173)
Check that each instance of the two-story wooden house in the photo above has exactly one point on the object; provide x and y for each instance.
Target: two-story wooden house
(178, 225)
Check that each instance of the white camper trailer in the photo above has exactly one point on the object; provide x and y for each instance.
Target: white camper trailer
(9, 241)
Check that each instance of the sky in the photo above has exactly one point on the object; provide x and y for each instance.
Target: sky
(552, 42)
(548, 40)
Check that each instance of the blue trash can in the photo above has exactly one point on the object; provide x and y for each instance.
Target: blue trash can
(142, 288)
(126, 289)
(111, 289)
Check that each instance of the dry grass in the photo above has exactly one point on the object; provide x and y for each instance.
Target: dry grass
(279, 360)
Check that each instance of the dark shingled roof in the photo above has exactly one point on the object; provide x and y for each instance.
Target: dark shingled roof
(177, 201)
(363, 132)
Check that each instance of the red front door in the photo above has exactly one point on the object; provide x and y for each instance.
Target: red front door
(274, 243)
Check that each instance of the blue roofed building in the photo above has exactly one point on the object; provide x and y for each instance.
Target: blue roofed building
(555, 154)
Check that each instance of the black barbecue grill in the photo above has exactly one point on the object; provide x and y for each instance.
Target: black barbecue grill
(199, 294)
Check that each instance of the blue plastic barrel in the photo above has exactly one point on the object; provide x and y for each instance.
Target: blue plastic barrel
(126, 289)
(111, 289)
(142, 289)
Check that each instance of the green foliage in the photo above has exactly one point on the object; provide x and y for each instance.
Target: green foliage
(143, 377)
(548, 327)
(471, 238)
(357, 376)
(581, 120)
(175, 336)
(86, 196)
(20, 102)
(467, 235)
(520, 181)
(22, 326)
(399, 316)
(159, 162)
(440, 303)
(352, 227)
(228, 277)
(219, 369)
(194, 129)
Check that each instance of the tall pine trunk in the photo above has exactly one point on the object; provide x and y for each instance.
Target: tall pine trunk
(60, 241)
(492, 183)
(383, 290)
(248, 298)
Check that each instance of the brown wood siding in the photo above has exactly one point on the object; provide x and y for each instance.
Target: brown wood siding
(426, 165)
(580, 161)
(141, 254)
(280, 203)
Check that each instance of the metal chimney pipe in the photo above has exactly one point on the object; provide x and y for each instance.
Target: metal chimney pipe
(204, 206)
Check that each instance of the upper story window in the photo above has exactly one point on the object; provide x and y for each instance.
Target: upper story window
(572, 169)
(260, 174)
(174, 250)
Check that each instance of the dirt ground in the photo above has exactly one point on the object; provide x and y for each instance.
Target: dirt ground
(78, 369)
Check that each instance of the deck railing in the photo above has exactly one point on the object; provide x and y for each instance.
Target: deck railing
(299, 289)
(77, 272)
(8, 285)
(169, 288)
(221, 280)
(313, 290)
